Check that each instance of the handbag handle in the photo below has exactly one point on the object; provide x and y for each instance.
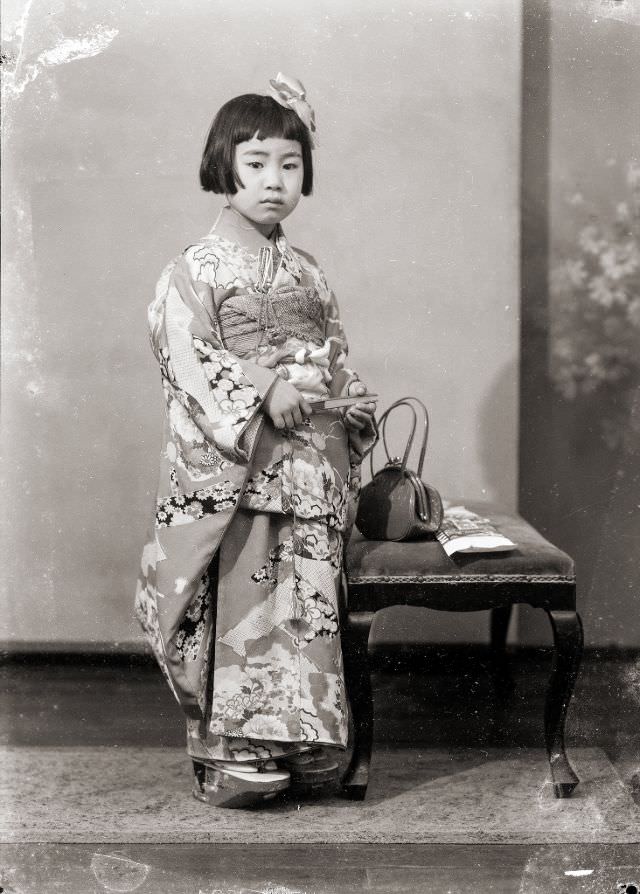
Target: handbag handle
(382, 422)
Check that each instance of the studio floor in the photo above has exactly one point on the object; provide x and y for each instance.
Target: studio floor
(449, 808)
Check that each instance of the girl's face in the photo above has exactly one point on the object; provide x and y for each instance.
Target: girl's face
(271, 171)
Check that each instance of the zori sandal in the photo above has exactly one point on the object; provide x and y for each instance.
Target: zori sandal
(230, 784)
(312, 771)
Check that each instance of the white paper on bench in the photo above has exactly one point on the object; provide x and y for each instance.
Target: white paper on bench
(464, 531)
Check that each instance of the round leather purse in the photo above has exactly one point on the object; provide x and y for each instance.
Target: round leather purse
(397, 504)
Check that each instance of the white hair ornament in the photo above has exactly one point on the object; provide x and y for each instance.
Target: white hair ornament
(290, 93)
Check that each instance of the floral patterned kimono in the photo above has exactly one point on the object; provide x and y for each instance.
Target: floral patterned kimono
(239, 585)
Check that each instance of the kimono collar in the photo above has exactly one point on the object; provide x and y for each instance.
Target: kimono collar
(230, 226)
(289, 260)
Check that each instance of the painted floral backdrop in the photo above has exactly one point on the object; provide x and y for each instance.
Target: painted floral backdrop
(596, 313)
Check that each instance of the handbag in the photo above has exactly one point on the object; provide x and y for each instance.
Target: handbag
(396, 504)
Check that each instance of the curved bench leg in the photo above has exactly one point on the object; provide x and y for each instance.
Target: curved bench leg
(355, 652)
(568, 640)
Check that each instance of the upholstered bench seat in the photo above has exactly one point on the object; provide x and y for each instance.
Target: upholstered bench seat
(380, 574)
(395, 573)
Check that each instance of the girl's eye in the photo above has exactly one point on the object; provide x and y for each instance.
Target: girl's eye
(255, 164)
(292, 166)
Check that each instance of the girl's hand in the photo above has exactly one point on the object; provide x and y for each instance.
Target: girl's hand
(285, 405)
(360, 415)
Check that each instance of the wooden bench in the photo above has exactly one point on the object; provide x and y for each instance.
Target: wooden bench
(380, 574)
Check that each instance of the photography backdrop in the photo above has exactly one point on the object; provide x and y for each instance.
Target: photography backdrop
(414, 218)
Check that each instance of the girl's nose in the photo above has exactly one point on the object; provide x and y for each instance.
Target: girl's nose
(273, 178)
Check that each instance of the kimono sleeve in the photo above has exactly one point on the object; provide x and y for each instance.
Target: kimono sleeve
(343, 378)
(221, 393)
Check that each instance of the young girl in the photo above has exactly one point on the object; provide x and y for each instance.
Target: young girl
(239, 590)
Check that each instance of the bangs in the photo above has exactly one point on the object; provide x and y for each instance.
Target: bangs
(267, 119)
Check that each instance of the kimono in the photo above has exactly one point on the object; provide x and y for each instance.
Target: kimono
(239, 585)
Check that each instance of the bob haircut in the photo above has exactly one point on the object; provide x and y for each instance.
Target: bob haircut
(238, 121)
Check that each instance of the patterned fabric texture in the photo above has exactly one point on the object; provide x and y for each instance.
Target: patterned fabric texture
(239, 585)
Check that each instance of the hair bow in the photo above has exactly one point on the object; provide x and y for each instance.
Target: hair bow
(290, 93)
